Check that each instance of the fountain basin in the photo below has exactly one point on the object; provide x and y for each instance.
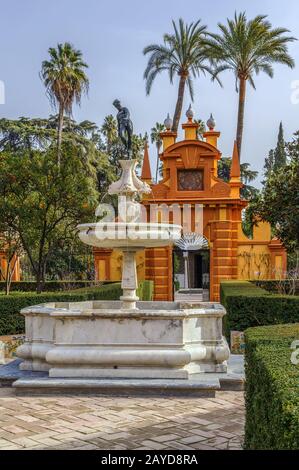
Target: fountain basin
(97, 339)
(123, 235)
(129, 237)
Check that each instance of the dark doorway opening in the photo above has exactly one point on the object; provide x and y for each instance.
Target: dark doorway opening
(198, 281)
(191, 270)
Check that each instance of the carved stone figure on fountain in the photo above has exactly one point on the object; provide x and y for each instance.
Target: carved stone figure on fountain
(125, 126)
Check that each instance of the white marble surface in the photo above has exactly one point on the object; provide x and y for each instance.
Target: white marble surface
(129, 183)
(90, 340)
(39, 327)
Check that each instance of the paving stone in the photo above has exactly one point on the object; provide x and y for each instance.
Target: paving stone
(166, 437)
(178, 446)
(121, 423)
(200, 446)
(153, 445)
(192, 439)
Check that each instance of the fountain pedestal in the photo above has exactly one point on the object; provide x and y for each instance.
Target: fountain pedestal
(129, 282)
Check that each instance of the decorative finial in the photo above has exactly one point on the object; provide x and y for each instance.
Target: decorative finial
(168, 123)
(211, 123)
(190, 113)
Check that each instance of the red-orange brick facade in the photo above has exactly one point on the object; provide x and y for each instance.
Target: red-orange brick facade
(231, 254)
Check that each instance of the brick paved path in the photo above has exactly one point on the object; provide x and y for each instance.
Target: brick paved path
(121, 423)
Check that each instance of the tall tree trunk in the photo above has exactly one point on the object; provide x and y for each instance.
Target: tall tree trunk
(59, 135)
(38, 285)
(157, 165)
(40, 275)
(179, 103)
(40, 280)
(242, 95)
(11, 266)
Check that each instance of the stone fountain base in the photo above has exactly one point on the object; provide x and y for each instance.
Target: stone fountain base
(116, 387)
(96, 339)
(27, 383)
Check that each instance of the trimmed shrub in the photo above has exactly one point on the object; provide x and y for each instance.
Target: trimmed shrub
(50, 286)
(272, 388)
(248, 305)
(12, 322)
(145, 290)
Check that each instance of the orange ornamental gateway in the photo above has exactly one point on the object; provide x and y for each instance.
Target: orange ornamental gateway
(214, 246)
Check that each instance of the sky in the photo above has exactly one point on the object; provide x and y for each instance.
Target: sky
(112, 34)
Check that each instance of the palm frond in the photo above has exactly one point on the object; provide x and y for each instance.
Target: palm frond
(248, 47)
(183, 51)
(64, 76)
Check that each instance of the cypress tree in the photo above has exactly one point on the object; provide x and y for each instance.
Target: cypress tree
(277, 158)
(280, 156)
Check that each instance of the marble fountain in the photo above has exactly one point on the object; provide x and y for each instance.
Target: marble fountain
(126, 346)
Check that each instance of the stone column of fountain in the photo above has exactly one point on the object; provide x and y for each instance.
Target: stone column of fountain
(129, 233)
(127, 188)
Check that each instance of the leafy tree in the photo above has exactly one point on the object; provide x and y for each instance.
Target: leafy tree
(65, 80)
(278, 202)
(116, 152)
(25, 133)
(269, 164)
(43, 206)
(32, 191)
(79, 129)
(277, 158)
(71, 261)
(157, 140)
(183, 53)
(39, 133)
(247, 48)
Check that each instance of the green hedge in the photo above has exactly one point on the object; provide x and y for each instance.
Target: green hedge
(12, 322)
(248, 305)
(145, 290)
(272, 388)
(49, 286)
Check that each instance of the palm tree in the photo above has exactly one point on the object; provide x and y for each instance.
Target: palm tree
(65, 80)
(156, 138)
(247, 48)
(201, 128)
(109, 129)
(184, 54)
(247, 176)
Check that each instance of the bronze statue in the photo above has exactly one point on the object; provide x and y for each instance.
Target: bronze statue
(125, 126)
